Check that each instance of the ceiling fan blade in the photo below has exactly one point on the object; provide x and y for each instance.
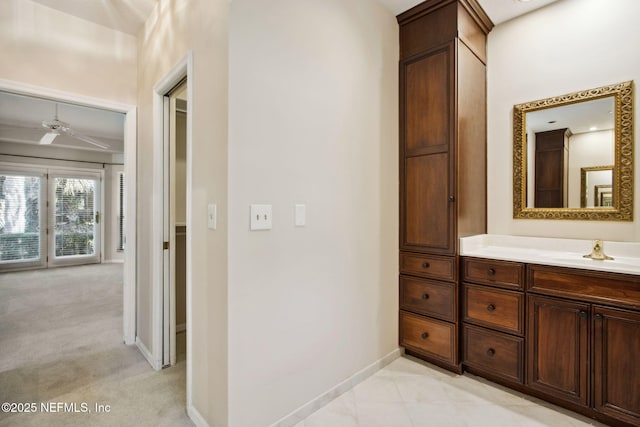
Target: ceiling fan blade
(87, 139)
(48, 138)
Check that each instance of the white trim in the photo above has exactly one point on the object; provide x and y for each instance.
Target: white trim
(313, 405)
(183, 68)
(155, 364)
(130, 143)
(130, 226)
(113, 261)
(196, 417)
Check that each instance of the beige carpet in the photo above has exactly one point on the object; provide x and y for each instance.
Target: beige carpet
(61, 343)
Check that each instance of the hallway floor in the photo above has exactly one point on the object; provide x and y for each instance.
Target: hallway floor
(61, 342)
(412, 394)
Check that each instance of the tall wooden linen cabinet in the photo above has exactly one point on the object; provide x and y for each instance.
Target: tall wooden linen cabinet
(442, 167)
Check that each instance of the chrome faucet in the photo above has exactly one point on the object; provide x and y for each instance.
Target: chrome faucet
(597, 252)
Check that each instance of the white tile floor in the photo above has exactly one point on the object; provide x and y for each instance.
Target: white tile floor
(410, 393)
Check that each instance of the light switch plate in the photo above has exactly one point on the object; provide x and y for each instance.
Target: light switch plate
(261, 217)
(212, 216)
(301, 215)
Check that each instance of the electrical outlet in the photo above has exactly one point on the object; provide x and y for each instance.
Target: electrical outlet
(261, 217)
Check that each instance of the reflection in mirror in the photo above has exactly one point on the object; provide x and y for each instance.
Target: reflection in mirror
(596, 186)
(560, 144)
(561, 141)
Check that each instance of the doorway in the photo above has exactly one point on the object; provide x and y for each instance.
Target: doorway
(175, 104)
(127, 221)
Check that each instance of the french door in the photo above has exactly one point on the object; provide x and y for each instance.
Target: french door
(49, 217)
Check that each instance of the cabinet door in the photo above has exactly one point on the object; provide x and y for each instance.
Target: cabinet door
(427, 119)
(558, 348)
(616, 367)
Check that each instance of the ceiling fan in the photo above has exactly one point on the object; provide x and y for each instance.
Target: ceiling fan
(56, 127)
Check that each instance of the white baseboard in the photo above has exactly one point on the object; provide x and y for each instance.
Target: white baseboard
(196, 417)
(182, 327)
(310, 407)
(147, 354)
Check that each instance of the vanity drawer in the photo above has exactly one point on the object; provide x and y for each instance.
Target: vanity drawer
(437, 299)
(494, 352)
(430, 266)
(429, 337)
(494, 308)
(586, 285)
(503, 274)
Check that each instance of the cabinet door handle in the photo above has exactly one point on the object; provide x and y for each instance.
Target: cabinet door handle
(452, 199)
(425, 265)
(425, 296)
(491, 352)
(491, 307)
(424, 335)
(582, 314)
(491, 272)
(598, 316)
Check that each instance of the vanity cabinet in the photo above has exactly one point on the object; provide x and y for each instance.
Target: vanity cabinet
(493, 318)
(584, 339)
(442, 166)
(567, 335)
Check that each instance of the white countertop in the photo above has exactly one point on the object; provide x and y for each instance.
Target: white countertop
(551, 251)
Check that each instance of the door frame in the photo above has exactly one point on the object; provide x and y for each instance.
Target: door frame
(54, 172)
(130, 169)
(181, 70)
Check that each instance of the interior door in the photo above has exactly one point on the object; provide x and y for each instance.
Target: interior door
(74, 218)
(23, 206)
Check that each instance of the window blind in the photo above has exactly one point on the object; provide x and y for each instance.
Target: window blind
(19, 218)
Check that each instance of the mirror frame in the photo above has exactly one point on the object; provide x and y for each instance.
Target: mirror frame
(622, 209)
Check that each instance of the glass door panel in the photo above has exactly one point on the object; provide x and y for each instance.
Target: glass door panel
(22, 226)
(75, 218)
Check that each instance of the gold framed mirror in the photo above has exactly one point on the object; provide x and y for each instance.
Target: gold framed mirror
(559, 147)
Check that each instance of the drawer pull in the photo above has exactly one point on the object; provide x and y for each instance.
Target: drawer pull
(424, 335)
(425, 296)
(491, 272)
(491, 307)
(582, 314)
(425, 265)
(491, 352)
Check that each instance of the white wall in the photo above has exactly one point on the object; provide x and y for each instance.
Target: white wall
(174, 28)
(565, 47)
(314, 120)
(44, 47)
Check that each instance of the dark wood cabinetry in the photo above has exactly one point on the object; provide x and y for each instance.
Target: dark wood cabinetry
(616, 367)
(552, 168)
(558, 348)
(576, 341)
(442, 159)
(584, 340)
(493, 315)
